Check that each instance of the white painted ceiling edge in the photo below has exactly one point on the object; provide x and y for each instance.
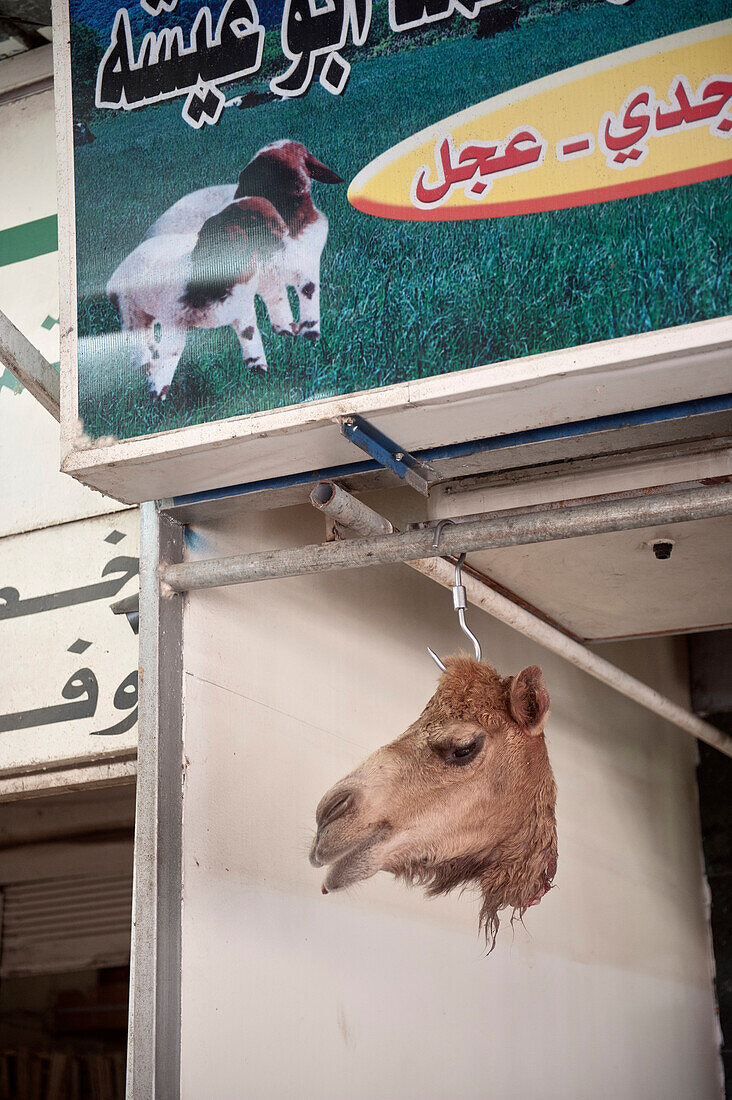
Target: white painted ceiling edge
(610, 587)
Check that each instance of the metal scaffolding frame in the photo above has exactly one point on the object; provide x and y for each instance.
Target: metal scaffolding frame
(359, 517)
(432, 553)
(154, 1049)
(544, 523)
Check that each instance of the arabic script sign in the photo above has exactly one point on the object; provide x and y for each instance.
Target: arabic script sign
(196, 63)
(69, 676)
(566, 142)
(243, 173)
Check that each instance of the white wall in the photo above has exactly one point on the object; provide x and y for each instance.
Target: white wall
(34, 493)
(380, 994)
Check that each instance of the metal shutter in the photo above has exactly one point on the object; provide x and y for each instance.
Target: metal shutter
(66, 906)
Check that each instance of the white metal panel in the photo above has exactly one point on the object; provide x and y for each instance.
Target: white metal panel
(379, 992)
(36, 661)
(51, 781)
(64, 654)
(612, 586)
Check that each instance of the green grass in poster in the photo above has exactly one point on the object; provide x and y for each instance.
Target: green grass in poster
(400, 300)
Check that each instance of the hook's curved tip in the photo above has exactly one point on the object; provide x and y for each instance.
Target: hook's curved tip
(436, 659)
(469, 634)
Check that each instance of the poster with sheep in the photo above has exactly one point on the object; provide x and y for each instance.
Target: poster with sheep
(278, 201)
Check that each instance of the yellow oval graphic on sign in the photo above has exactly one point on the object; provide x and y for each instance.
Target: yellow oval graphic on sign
(655, 116)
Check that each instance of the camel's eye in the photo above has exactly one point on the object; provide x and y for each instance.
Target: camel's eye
(463, 754)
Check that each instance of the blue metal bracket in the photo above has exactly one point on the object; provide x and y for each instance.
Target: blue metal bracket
(387, 453)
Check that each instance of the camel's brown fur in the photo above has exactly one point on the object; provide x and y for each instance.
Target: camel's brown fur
(443, 821)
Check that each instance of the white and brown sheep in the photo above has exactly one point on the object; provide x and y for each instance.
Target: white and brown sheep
(204, 261)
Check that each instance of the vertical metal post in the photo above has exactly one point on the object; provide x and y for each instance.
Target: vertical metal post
(153, 1058)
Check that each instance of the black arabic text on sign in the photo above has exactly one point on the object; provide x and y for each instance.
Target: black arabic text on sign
(12, 607)
(166, 65)
(82, 686)
(125, 698)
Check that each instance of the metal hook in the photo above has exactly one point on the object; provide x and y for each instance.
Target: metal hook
(460, 603)
(436, 659)
(438, 531)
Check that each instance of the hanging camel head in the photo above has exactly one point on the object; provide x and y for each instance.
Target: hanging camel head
(464, 797)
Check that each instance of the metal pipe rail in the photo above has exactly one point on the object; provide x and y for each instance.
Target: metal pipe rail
(490, 531)
(348, 511)
(512, 614)
(30, 368)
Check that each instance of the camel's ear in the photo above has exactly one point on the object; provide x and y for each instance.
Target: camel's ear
(529, 700)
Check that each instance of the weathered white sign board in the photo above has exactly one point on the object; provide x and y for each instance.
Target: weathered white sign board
(68, 675)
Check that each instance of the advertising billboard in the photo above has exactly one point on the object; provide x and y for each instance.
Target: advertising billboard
(280, 203)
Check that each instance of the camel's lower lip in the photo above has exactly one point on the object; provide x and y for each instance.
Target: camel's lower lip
(321, 860)
(344, 872)
(349, 864)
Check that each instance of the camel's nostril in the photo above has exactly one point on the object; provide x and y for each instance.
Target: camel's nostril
(332, 809)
